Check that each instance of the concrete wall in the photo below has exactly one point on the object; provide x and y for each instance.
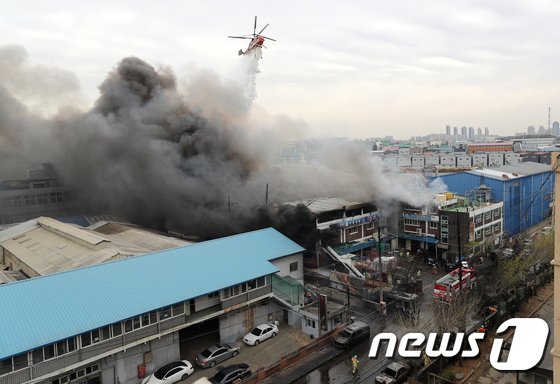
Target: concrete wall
(124, 364)
(234, 325)
(495, 159)
(418, 161)
(448, 160)
(203, 302)
(480, 159)
(432, 160)
(404, 161)
(464, 161)
(283, 264)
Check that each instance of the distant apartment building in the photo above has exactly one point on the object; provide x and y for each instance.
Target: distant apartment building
(471, 133)
(531, 130)
(489, 147)
(479, 159)
(536, 157)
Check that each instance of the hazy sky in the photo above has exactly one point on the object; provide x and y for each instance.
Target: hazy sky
(352, 68)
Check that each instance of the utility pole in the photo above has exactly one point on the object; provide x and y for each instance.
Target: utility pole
(458, 222)
(266, 195)
(556, 265)
(381, 302)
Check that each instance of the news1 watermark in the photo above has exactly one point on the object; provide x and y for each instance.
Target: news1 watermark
(526, 351)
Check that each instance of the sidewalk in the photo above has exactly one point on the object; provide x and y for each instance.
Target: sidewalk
(479, 370)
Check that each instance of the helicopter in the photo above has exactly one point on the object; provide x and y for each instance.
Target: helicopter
(257, 40)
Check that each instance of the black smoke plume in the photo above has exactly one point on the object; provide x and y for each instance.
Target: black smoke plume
(194, 160)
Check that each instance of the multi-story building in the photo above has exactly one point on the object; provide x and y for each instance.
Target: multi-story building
(489, 147)
(472, 224)
(525, 189)
(353, 223)
(29, 192)
(107, 322)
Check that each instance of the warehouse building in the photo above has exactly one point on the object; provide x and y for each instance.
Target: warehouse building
(108, 322)
(525, 189)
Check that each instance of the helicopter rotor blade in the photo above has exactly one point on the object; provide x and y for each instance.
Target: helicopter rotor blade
(239, 37)
(255, 27)
(268, 38)
(263, 29)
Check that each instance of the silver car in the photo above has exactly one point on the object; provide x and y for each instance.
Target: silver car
(216, 354)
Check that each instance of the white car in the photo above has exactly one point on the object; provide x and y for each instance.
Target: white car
(170, 373)
(260, 333)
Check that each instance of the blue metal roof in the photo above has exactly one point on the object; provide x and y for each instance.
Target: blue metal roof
(426, 239)
(46, 309)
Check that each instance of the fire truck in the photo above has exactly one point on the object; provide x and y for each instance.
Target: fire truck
(448, 287)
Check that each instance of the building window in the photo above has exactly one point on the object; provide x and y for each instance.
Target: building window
(20, 361)
(444, 219)
(165, 313)
(117, 329)
(311, 323)
(214, 295)
(444, 238)
(37, 355)
(61, 348)
(353, 230)
(71, 344)
(257, 283)
(433, 224)
(5, 366)
(95, 336)
(497, 227)
(294, 267)
(86, 339)
(488, 216)
(497, 213)
(49, 351)
(478, 220)
(369, 226)
(178, 309)
(414, 223)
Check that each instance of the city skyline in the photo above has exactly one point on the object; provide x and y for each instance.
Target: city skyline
(358, 71)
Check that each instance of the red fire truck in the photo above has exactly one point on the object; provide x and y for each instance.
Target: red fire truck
(448, 287)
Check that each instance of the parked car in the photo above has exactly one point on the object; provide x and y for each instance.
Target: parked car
(231, 373)
(260, 333)
(394, 373)
(216, 354)
(352, 335)
(170, 373)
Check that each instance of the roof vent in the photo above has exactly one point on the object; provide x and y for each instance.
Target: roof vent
(505, 176)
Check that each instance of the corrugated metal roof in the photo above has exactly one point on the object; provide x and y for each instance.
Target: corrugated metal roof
(326, 204)
(512, 171)
(45, 309)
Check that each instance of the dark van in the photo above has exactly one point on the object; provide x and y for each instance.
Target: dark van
(351, 335)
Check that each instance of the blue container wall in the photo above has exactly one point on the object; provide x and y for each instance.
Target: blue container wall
(526, 199)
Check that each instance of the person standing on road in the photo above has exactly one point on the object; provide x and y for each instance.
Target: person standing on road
(355, 363)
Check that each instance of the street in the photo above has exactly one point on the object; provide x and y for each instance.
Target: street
(339, 370)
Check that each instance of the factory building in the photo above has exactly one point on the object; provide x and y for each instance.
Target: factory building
(108, 322)
(525, 189)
